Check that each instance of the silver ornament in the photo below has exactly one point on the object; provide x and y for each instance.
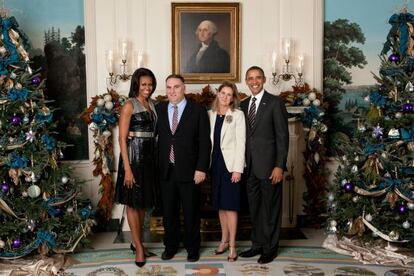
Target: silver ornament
(356, 158)
(69, 209)
(355, 199)
(368, 217)
(409, 87)
(394, 133)
(398, 115)
(333, 223)
(64, 179)
(24, 194)
(331, 197)
(410, 205)
(354, 169)
(107, 98)
(366, 98)
(100, 102)
(31, 225)
(343, 182)
(33, 191)
(406, 225)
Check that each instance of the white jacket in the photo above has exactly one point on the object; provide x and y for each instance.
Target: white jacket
(232, 140)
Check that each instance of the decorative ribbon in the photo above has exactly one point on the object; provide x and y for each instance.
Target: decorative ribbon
(364, 192)
(17, 95)
(403, 196)
(310, 114)
(13, 58)
(378, 232)
(399, 24)
(407, 134)
(377, 99)
(370, 149)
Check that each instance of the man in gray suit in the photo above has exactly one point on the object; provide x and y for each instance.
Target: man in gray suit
(267, 145)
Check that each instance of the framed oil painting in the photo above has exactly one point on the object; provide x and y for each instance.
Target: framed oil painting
(206, 41)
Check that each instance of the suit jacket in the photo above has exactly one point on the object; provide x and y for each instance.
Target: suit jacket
(267, 143)
(214, 60)
(232, 138)
(191, 141)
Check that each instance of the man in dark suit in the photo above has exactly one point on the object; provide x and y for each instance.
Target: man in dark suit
(267, 143)
(209, 57)
(184, 156)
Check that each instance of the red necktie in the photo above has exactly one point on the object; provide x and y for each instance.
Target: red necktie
(173, 129)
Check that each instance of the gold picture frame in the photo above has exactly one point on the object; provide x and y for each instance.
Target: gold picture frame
(218, 58)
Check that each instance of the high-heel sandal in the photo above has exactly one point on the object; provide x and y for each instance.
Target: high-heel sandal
(147, 254)
(232, 257)
(225, 245)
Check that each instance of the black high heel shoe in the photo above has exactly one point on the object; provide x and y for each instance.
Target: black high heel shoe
(140, 264)
(147, 254)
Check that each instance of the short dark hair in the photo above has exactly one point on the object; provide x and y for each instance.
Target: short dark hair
(175, 76)
(136, 77)
(255, 68)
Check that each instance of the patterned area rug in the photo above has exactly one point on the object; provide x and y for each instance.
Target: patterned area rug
(291, 261)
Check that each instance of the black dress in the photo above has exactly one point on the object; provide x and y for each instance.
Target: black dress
(141, 154)
(225, 195)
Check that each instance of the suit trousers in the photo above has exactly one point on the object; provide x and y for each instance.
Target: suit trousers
(176, 193)
(265, 204)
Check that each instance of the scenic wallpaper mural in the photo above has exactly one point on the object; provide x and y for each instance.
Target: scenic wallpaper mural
(353, 42)
(56, 34)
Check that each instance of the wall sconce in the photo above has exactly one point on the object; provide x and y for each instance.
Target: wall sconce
(113, 78)
(286, 73)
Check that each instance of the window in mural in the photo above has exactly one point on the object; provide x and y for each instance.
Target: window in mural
(56, 33)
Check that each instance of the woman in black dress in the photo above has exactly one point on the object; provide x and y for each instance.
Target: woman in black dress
(135, 186)
(228, 136)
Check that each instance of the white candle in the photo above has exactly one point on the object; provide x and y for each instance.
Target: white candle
(301, 58)
(274, 57)
(110, 61)
(287, 45)
(139, 59)
(124, 50)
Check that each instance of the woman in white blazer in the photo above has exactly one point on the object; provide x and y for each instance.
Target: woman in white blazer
(228, 137)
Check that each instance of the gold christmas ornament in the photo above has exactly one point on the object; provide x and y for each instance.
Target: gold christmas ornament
(392, 199)
(394, 235)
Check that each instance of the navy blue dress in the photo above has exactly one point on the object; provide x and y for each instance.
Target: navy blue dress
(225, 195)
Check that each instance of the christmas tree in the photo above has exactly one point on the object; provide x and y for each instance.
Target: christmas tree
(39, 200)
(373, 195)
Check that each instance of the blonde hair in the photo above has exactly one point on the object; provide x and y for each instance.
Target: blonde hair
(236, 97)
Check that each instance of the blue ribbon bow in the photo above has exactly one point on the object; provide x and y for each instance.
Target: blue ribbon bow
(407, 134)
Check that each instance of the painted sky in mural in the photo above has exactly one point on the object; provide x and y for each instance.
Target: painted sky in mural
(35, 16)
(372, 16)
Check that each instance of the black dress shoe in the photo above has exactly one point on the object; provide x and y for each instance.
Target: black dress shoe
(266, 258)
(168, 254)
(250, 253)
(193, 256)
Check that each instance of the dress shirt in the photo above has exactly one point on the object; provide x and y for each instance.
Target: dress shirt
(258, 97)
(181, 105)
